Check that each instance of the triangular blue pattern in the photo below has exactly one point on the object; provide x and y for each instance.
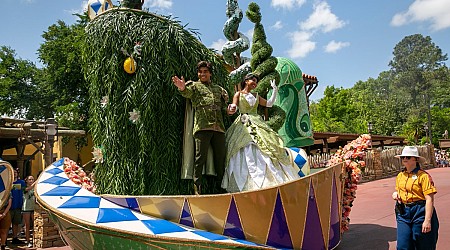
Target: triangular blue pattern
(299, 160)
(59, 162)
(54, 171)
(300, 173)
(162, 226)
(210, 236)
(133, 204)
(62, 191)
(247, 242)
(313, 235)
(335, 228)
(279, 235)
(125, 202)
(233, 226)
(2, 184)
(115, 215)
(55, 180)
(186, 218)
(96, 6)
(82, 202)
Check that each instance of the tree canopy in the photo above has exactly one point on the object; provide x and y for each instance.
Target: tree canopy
(401, 101)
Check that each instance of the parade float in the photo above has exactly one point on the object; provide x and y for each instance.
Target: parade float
(141, 197)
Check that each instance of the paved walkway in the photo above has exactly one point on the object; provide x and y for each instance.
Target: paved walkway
(372, 219)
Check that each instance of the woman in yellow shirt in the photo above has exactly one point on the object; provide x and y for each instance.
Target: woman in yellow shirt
(417, 222)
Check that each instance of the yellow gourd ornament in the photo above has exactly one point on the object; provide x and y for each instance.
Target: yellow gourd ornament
(129, 65)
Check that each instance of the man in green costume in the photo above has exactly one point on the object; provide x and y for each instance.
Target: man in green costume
(209, 101)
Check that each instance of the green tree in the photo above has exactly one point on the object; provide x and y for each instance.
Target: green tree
(415, 57)
(416, 61)
(19, 93)
(380, 102)
(62, 78)
(335, 112)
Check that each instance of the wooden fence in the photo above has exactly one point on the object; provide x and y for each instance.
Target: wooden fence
(382, 163)
(379, 163)
(318, 160)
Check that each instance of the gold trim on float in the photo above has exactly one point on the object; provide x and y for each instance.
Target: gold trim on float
(256, 222)
(323, 191)
(293, 200)
(134, 236)
(162, 207)
(210, 212)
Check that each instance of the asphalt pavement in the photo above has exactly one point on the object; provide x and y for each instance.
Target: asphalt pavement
(372, 219)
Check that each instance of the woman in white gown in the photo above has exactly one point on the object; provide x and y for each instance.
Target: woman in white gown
(256, 157)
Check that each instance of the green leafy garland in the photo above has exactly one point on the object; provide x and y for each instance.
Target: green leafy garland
(137, 119)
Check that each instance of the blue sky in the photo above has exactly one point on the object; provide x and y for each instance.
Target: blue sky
(339, 42)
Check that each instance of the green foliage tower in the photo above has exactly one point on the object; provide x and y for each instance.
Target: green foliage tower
(140, 155)
(263, 63)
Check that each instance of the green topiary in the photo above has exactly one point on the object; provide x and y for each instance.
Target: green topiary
(264, 64)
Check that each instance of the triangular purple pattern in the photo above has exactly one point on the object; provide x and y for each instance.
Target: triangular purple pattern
(334, 235)
(186, 218)
(279, 235)
(233, 226)
(118, 201)
(313, 235)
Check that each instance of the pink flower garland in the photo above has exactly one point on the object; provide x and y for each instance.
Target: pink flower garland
(77, 175)
(353, 155)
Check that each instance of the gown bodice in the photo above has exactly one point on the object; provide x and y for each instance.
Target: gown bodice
(245, 107)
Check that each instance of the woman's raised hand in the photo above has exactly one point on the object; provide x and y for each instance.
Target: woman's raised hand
(272, 83)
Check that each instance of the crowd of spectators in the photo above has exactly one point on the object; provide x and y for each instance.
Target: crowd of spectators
(442, 158)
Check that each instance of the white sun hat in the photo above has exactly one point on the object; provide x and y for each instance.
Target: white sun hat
(411, 151)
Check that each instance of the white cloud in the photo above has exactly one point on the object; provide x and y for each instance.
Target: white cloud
(277, 26)
(81, 10)
(301, 44)
(84, 5)
(287, 4)
(217, 45)
(249, 33)
(163, 4)
(333, 46)
(322, 19)
(434, 11)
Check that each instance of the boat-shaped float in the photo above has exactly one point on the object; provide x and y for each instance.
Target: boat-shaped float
(302, 214)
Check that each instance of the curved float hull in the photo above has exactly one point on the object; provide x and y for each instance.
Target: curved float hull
(303, 214)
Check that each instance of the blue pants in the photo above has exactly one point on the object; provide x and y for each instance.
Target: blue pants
(409, 229)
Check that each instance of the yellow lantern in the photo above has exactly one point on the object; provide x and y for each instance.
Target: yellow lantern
(130, 65)
(96, 7)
